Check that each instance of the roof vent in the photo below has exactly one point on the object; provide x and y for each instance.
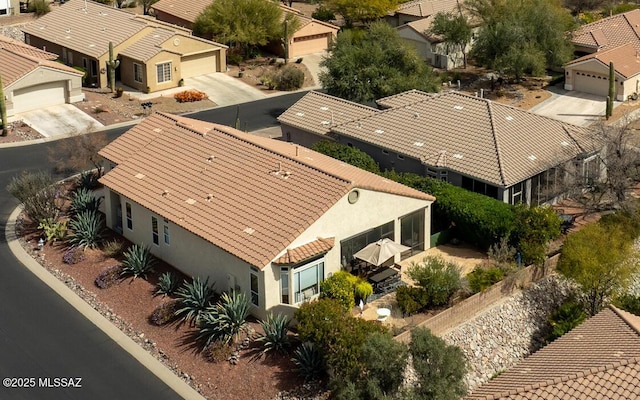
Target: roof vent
(379, 131)
(416, 115)
(458, 156)
(209, 197)
(92, 45)
(68, 30)
(165, 193)
(324, 108)
(139, 175)
(157, 130)
(565, 144)
(509, 118)
(458, 107)
(359, 125)
(419, 144)
(156, 36)
(249, 230)
(326, 123)
(191, 201)
(300, 114)
(211, 158)
(532, 157)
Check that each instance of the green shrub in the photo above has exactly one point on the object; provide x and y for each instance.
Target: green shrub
(481, 278)
(138, 261)
(38, 193)
(534, 227)
(112, 248)
(411, 299)
(340, 288)
(618, 8)
(224, 321)
(323, 14)
(53, 230)
(289, 78)
(308, 361)
(87, 227)
(439, 279)
(167, 284)
(349, 155)
(362, 289)
(84, 200)
(39, 7)
(569, 315)
(629, 303)
(164, 313)
(195, 297)
(502, 254)
(276, 329)
(234, 59)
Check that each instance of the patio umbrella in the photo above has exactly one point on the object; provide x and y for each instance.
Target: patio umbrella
(378, 252)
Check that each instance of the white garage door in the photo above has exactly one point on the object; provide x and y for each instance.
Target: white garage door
(39, 96)
(588, 82)
(4, 5)
(309, 44)
(199, 64)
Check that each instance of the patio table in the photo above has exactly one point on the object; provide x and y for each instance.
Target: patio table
(383, 275)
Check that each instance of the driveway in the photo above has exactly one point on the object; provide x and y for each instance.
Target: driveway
(60, 121)
(573, 107)
(223, 89)
(312, 62)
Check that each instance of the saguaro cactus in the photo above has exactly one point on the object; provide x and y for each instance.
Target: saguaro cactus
(612, 90)
(3, 110)
(112, 64)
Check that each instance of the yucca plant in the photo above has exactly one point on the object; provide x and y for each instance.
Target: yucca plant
(88, 180)
(167, 284)
(138, 261)
(87, 228)
(308, 361)
(224, 321)
(194, 298)
(275, 336)
(84, 200)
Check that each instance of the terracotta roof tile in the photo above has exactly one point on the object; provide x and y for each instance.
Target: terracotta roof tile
(149, 45)
(306, 251)
(23, 48)
(498, 144)
(187, 10)
(317, 112)
(240, 183)
(598, 359)
(403, 99)
(610, 32)
(425, 8)
(626, 59)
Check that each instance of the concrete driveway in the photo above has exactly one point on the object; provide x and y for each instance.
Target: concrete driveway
(312, 62)
(573, 107)
(223, 89)
(59, 121)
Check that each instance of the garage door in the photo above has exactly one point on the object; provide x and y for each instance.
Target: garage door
(309, 44)
(39, 96)
(199, 64)
(589, 82)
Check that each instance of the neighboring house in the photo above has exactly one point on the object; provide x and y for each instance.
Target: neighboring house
(153, 55)
(614, 39)
(32, 79)
(418, 9)
(486, 147)
(311, 36)
(266, 217)
(599, 359)
(9, 7)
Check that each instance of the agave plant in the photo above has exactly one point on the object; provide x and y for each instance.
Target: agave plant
(224, 321)
(84, 200)
(194, 298)
(275, 336)
(87, 228)
(88, 180)
(138, 261)
(309, 362)
(167, 284)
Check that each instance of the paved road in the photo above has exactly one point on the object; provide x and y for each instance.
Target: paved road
(41, 335)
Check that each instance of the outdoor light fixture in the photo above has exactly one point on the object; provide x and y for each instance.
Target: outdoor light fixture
(40, 244)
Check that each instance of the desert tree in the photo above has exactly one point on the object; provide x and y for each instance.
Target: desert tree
(79, 152)
(456, 32)
(360, 10)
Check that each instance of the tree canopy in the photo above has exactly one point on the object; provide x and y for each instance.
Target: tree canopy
(244, 23)
(375, 64)
(455, 30)
(360, 10)
(521, 37)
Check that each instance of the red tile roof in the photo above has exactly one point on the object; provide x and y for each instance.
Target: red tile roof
(306, 251)
(610, 32)
(248, 195)
(626, 59)
(599, 359)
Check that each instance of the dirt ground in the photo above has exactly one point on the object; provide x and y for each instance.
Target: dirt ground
(253, 70)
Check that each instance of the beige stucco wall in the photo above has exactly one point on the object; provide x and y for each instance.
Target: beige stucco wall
(624, 87)
(190, 46)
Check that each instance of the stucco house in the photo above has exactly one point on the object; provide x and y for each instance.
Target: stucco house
(483, 146)
(263, 216)
(311, 36)
(415, 10)
(32, 79)
(599, 359)
(153, 55)
(614, 39)
(9, 7)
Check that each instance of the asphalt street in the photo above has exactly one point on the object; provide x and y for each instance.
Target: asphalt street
(41, 335)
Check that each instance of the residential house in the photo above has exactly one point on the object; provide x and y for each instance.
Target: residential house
(153, 55)
(614, 39)
(415, 10)
(32, 79)
(311, 35)
(10, 7)
(263, 216)
(599, 359)
(486, 147)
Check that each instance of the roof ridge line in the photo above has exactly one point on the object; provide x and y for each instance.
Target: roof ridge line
(340, 99)
(495, 141)
(624, 318)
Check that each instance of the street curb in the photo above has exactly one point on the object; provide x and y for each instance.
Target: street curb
(142, 356)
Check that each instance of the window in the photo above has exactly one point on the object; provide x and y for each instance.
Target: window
(355, 243)
(70, 56)
(255, 292)
(516, 193)
(412, 233)
(164, 72)
(27, 38)
(94, 68)
(154, 230)
(591, 170)
(284, 285)
(64, 55)
(306, 280)
(137, 72)
(165, 230)
(129, 218)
